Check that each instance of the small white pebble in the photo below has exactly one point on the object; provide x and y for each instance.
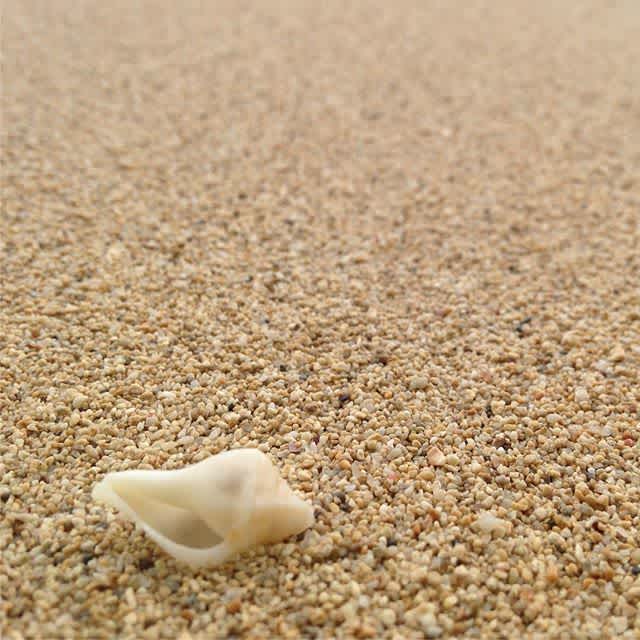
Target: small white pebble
(488, 523)
(475, 467)
(435, 457)
(541, 514)
(581, 395)
(452, 459)
(80, 401)
(418, 383)
(388, 617)
(396, 452)
(570, 339)
(429, 626)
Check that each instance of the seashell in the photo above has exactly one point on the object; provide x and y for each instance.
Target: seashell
(207, 513)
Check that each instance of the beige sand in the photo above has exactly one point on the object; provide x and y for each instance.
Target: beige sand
(395, 245)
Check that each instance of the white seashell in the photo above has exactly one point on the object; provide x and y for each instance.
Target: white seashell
(207, 513)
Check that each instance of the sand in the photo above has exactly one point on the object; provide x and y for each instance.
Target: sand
(395, 246)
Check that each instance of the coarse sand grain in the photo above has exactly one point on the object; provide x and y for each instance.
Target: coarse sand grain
(394, 245)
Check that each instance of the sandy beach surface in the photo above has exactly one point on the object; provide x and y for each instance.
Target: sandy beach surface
(394, 245)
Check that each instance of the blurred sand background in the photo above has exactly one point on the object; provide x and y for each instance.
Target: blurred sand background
(395, 245)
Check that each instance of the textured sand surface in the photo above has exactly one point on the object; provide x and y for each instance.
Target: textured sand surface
(395, 245)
